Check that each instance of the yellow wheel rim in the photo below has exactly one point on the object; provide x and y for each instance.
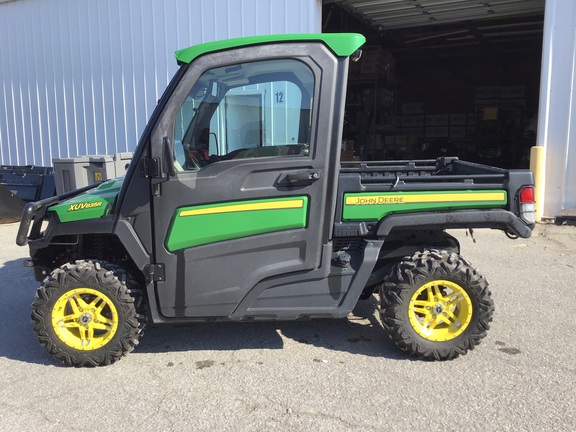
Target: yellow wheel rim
(440, 310)
(84, 319)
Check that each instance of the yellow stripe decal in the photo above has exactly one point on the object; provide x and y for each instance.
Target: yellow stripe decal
(424, 198)
(274, 205)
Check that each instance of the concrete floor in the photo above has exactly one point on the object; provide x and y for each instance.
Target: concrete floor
(342, 375)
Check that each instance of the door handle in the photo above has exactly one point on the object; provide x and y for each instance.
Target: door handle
(301, 177)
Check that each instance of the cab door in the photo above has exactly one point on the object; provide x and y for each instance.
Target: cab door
(249, 142)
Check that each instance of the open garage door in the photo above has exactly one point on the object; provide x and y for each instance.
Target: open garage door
(443, 78)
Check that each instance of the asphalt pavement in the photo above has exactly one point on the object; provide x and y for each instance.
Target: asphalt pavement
(329, 375)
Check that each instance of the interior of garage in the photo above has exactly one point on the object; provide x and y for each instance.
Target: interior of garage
(442, 78)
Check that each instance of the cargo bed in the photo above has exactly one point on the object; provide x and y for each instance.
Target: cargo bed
(480, 196)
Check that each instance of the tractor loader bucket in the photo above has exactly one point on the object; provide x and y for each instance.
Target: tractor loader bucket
(11, 206)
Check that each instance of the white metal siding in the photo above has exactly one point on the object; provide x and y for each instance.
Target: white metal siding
(557, 118)
(82, 77)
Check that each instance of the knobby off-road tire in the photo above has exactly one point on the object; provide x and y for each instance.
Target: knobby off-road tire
(90, 313)
(435, 305)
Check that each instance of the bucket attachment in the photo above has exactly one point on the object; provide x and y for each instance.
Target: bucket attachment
(11, 206)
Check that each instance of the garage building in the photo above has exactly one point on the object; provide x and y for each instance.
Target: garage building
(483, 80)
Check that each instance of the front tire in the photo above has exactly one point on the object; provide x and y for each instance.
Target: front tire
(89, 313)
(435, 305)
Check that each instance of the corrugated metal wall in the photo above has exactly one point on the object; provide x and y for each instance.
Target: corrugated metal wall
(82, 77)
(557, 117)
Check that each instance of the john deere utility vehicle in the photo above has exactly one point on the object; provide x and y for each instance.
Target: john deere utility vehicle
(236, 207)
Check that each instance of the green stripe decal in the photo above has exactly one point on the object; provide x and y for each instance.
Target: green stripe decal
(374, 206)
(200, 225)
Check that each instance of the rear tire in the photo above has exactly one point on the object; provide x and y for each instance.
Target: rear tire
(435, 305)
(89, 313)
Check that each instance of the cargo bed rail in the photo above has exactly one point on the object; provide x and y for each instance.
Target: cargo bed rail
(424, 170)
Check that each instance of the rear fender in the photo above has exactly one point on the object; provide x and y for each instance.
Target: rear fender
(497, 219)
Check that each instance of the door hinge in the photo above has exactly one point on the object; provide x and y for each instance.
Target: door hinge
(150, 167)
(155, 273)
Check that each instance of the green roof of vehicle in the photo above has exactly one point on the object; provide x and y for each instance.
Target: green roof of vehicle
(342, 44)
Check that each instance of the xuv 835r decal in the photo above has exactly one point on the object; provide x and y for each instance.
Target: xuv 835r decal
(199, 225)
(375, 206)
(84, 206)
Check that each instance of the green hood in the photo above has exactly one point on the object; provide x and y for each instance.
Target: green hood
(89, 205)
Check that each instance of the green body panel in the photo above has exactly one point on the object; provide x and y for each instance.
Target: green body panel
(375, 206)
(342, 44)
(89, 205)
(199, 225)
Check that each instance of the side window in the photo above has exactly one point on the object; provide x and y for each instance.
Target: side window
(247, 110)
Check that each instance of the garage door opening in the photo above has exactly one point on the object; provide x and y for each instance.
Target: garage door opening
(461, 82)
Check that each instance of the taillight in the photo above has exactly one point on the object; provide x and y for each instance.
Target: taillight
(527, 195)
(527, 207)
